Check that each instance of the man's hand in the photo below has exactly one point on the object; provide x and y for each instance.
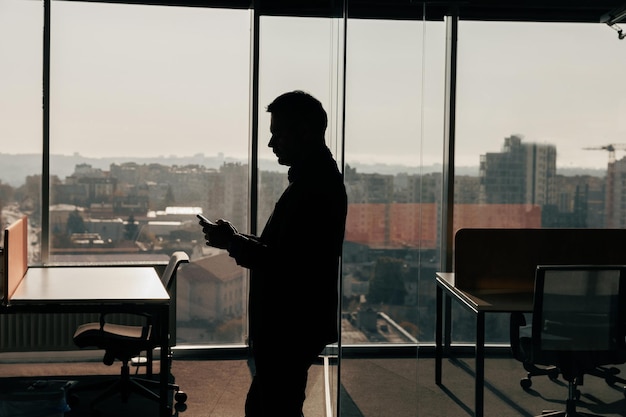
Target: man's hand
(219, 234)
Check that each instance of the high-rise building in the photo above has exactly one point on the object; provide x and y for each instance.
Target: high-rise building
(615, 213)
(523, 173)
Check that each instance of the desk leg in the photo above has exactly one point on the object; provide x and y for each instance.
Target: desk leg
(447, 324)
(164, 367)
(438, 333)
(480, 364)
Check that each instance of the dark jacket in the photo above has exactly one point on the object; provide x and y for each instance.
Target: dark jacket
(294, 264)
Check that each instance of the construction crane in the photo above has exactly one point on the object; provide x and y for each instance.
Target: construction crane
(612, 147)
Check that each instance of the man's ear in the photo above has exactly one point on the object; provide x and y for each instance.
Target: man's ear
(310, 136)
(302, 131)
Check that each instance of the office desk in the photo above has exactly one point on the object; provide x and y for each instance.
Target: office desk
(479, 302)
(99, 289)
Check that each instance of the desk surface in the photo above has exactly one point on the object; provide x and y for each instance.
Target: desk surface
(488, 300)
(82, 285)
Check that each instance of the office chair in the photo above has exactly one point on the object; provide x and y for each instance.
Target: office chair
(125, 342)
(577, 325)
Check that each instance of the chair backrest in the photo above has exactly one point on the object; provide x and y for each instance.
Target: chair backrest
(579, 315)
(15, 257)
(169, 281)
(169, 274)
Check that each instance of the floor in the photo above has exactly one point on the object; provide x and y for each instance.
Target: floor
(370, 388)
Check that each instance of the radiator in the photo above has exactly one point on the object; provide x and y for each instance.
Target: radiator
(47, 332)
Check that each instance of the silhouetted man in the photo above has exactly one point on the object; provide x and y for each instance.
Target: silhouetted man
(294, 263)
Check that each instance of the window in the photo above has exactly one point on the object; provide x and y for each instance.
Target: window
(149, 114)
(539, 117)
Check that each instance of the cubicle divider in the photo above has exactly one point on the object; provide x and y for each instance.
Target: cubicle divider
(15, 256)
(494, 258)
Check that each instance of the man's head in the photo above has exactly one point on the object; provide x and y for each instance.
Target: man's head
(298, 125)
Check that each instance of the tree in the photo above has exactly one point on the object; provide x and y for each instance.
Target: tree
(387, 281)
(75, 223)
(130, 228)
(169, 199)
(6, 194)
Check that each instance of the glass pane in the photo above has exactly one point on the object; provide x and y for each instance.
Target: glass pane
(394, 142)
(394, 122)
(298, 54)
(149, 126)
(21, 47)
(539, 120)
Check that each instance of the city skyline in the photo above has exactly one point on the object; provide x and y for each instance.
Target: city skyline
(14, 168)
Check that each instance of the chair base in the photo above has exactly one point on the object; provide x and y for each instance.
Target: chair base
(124, 388)
(570, 406)
(125, 385)
(551, 372)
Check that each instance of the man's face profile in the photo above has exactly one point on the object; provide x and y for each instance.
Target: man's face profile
(283, 141)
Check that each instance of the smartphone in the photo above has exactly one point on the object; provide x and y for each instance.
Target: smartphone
(205, 220)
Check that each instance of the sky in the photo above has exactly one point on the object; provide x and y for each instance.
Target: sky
(130, 80)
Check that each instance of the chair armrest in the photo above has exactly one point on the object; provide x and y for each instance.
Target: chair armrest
(517, 321)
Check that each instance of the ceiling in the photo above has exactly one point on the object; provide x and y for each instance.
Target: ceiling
(502, 10)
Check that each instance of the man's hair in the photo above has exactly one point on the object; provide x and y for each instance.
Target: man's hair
(300, 108)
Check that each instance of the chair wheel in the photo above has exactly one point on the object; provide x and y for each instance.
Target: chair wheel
(180, 396)
(553, 375)
(525, 383)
